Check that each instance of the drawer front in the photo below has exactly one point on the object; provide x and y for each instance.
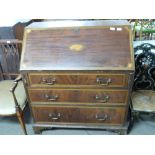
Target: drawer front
(78, 80)
(79, 114)
(79, 96)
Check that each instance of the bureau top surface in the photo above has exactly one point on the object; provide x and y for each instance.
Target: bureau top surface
(78, 45)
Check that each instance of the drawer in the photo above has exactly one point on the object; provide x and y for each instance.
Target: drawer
(107, 115)
(79, 96)
(78, 80)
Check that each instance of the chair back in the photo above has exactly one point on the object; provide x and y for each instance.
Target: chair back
(9, 58)
(145, 66)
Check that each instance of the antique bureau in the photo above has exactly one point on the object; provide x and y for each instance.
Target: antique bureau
(78, 73)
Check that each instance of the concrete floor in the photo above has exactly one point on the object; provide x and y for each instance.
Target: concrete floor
(10, 126)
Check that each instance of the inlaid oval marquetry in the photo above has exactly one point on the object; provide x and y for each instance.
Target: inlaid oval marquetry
(76, 47)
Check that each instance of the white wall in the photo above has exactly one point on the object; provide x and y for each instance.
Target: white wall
(11, 22)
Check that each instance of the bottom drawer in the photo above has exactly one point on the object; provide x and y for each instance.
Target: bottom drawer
(107, 115)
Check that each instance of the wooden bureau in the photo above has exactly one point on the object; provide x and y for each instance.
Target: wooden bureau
(78, 73)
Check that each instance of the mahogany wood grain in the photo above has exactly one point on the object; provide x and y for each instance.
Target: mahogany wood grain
(78, 80)
(79, 114)
(81, 96)
(96, 47)
(78, 73)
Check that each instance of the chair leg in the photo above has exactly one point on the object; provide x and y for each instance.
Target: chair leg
(21, 119)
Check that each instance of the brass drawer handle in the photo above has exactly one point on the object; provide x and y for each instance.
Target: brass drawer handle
(103, 81)
(51, 97)
(102, 117)
(54, 116)
(102, 99)
(48, 81)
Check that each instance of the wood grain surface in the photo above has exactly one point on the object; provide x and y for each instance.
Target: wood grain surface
(77, 48)
(79, 115)
(77, 95)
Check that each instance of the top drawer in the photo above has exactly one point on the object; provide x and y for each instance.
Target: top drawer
(78, 80)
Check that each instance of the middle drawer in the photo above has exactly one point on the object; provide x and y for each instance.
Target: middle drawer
(78, 95)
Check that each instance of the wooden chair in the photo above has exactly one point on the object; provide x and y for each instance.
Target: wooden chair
(12, 94)
(143, 95)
